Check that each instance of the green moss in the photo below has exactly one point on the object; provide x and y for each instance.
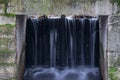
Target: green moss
(8, 15)
(7, 29)
(7, 25)
(5, 2)
(6, 51)
(112, 71)
(13, 78)
(118, 4)
(7, 64)
(116, 1)
(71, 1)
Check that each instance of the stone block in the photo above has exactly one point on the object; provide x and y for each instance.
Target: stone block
(114, 34)
(58, 7)
(4, 43)
(114, 59)
(7, 20)
(118, 74)
(11, 44)
(7, 72)
(1, 8)
(6, 31)
(8, 57)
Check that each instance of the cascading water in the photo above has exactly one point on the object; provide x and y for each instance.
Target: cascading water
(62, 49)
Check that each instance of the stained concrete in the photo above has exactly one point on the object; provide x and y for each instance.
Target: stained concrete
(7, 48)
(58, 7)
(114, 34)
(113, 43)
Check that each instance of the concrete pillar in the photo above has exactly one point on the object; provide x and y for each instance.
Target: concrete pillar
(103, 24)
(20, 45)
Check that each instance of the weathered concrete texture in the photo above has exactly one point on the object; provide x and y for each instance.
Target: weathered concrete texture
(114, 34)
(113, 48)
(114, 59)
(7, 48)
(118, 74)
(8, 57)
(7, 38)
(103, 20)
(58, 7)
(20, 46)
(7, 20)
(7, 72)
(1, 8)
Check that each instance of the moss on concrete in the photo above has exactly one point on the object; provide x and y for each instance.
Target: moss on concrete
(8, 15)
(7, 64)
(5, 2)
(7, 25)
(116, 1)
(4, 43)
(6, 51)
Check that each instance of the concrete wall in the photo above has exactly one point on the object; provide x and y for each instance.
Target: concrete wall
(113, 46)
(7, 48)
(58, 7)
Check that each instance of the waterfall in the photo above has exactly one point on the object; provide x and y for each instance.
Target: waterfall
(62, 49)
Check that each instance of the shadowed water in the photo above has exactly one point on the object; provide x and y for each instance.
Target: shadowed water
(62, 49)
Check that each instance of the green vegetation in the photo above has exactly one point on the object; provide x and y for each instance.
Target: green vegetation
(82, 0)
(7, 25)
(116, 1)
(8, 15)
(7, 64)
(71, 1)
(112, 71)
(6, 51)
(5, 2)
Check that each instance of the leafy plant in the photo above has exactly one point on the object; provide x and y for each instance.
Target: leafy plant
(112, 71)
(116, 1)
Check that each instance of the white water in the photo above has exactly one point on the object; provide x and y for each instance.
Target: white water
(63, 62)
(81, 73)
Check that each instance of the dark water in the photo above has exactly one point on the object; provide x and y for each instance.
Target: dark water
(62, 49)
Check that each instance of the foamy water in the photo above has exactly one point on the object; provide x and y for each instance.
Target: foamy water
(61, 48)
(81, 73)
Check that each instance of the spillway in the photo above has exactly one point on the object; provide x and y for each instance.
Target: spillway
(62, 49)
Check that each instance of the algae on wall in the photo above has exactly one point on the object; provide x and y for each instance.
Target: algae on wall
(7, 48)
(59, 7)
(5, 2)
(113, 49)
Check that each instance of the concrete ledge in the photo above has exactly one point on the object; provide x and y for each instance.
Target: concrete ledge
(58, 7)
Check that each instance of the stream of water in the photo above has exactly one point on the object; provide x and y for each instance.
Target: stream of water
(62, 49)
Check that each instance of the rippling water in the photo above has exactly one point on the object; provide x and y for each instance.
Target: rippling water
(81, 73)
